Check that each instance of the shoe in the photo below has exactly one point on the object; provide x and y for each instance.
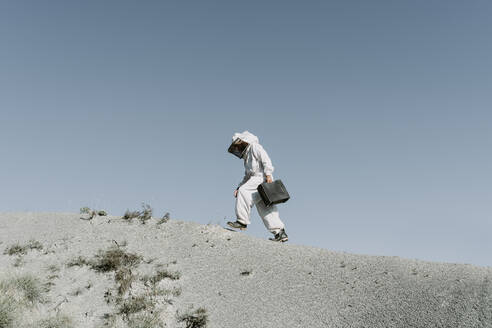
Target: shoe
(237, 225)
(280, 236)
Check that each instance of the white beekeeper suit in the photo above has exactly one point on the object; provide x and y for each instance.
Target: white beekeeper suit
(257, 166)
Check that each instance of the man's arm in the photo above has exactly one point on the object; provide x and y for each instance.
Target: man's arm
(262, 155)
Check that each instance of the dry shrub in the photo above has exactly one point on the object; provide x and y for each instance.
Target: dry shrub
(144, 215)
(195, 319)
(110, 260)
(15, 249)
(130, 215)
(164, 219)
(114, 258)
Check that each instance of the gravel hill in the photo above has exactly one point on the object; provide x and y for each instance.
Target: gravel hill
(190, 275)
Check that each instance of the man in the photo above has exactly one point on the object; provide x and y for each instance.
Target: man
(258, 169)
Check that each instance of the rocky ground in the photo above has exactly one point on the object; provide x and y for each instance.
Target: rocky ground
(58, 270)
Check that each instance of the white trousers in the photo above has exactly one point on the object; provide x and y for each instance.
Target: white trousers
(247, 196)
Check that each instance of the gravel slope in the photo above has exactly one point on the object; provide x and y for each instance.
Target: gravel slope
(243, 281)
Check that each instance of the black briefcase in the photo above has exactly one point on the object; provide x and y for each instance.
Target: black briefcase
(273, 193)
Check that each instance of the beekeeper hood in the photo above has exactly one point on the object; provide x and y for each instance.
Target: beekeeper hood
(246, 136)
(237, 147)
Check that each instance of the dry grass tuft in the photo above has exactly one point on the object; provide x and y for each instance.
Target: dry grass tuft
(160, 275)
(195, 319)
(29, 287)
(145, 320)
(135, 304)
(58, 321)
(6, 312)
(110, 260)
(15, 249)
(18, 249)
(114, 258)
(130, 215)
(21, 291)
(164, 219)
(144, 215)
(124, 279)
(176, 291)
(78, 261)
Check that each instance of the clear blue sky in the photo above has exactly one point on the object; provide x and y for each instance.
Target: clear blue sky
(377, 115)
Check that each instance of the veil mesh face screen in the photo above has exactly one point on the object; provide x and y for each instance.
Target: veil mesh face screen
(237, 148)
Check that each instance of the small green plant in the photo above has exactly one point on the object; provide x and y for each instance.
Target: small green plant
(92, 213)
(109, 320)
(85, 210)
(47, 285)
(176, 292)
(195, 319)
(76, 292)
(34, 244)
(164, 219)
(18, 261)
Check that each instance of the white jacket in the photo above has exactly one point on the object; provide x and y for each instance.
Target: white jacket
(256, 160)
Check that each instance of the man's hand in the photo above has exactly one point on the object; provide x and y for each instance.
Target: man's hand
(269, 179)
(235, 193)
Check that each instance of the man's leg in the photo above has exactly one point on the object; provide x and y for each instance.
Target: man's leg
(270, 217)
(244, 201)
